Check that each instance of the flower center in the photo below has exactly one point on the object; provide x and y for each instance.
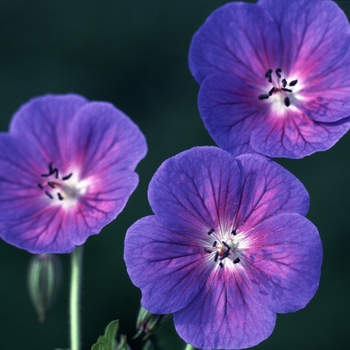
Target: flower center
(224, 249)
(281, 89)
(61, 188)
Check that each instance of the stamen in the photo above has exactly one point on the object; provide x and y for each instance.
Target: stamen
(51, 171)
(51, 184)
(216, 256)
(214, 244)
(60, 196)
(293, 82)
(55, 171)
(234, 232)
(268, 75)
(271, 91)
(263, 97)
(236, 261)
(278, 71)
(40, 186)
(225, 255)
(207, 250)
(64, 178)
(284, 82)
(221, 265)
(288, 90)
(226, 245)
(287, 101)
(210, 231)
(49, 194)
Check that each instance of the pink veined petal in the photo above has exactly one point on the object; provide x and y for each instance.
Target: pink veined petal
(230, 110)
(169, 267)
(196, 193)
(309, 30)
(101, 137)
(283, 260)
(238, 38)
(295, 135)
(225, 314)
(44, 122)
(267, 189)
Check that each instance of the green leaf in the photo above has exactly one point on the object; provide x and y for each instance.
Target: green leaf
(148, 346)
(107, 341)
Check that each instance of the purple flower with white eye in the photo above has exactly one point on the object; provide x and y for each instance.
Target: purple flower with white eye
(66, 170)
(228, 247)
(275, 76)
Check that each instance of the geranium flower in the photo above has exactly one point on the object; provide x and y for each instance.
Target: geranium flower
(227, 248)
(275, 76)
(66, 170)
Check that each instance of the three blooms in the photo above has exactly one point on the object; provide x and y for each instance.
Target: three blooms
(229, 245)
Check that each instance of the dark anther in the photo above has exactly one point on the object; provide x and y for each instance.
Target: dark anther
(216, 256)
(40, 186)
(263, 97)
(225, 255)
(64, 178)
(214, 244)
(268, 75)
(51, 184)
(49, 194)
(287, 101)
(51, 171)
(221, 265)
(271, 91)
(233, 232)
(278, 72)
(207, 250)
(284, 82)
(59, 196)
(210, 231)
(226, 245)
(285, 89)
(293, 82)
(236, 261)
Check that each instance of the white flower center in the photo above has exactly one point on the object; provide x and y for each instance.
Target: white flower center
(63, 190)
(224, 247)
(281, 93)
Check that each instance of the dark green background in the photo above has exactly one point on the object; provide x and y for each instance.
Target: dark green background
(134, 54)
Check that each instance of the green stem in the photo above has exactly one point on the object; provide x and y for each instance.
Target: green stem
(189, 347)
(74, 300)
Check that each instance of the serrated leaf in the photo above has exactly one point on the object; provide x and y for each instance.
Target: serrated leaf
(107, 341)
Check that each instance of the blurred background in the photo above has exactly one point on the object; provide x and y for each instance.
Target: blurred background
(134, 55)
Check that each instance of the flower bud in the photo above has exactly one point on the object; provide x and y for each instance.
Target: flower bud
(148, 323)
(44, 279)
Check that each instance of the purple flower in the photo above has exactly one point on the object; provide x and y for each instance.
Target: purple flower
(227, 248)
(66, 170)
(275, 76)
